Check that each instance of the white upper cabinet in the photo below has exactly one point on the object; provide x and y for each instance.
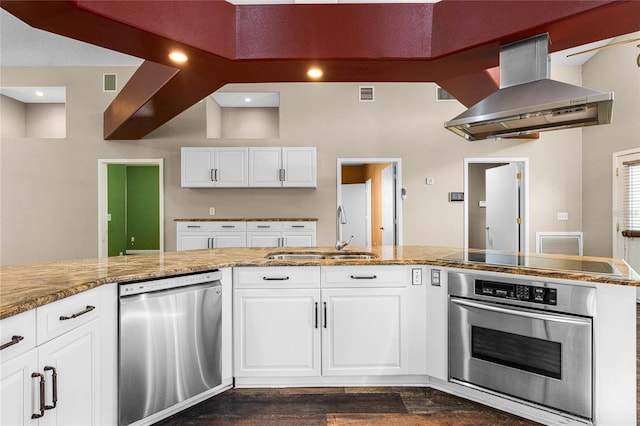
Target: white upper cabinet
(282, 167)
(206, 167)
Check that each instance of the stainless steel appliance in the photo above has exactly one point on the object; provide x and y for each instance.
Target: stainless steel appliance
(169, 342)
(526, 339)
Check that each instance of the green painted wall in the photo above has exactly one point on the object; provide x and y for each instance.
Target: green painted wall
(143, 214)
(117, 208)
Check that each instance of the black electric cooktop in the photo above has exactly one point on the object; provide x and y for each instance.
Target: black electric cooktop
(531, 261)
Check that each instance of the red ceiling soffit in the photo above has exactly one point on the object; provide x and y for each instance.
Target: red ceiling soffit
(452, 42)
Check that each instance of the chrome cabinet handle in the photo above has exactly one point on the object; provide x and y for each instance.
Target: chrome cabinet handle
(229, 226)
(42, 406)
(297, 226)
(86, 310)
(14, 341)
(363, 277)
(284, 175)
(275, 278)
(264, 226)
(54, 382)
(212, 177)
(193, 226)
(216, 175)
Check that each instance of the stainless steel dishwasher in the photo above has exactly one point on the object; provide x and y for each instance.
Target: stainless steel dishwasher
(169, 342)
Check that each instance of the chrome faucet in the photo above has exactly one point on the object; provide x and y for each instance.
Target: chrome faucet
(342, 244)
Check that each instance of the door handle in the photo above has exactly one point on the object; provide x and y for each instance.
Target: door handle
(325, 314)
(54, 383)
(316, 326)
(42, 407)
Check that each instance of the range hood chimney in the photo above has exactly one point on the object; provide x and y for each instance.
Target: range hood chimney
(528, 101)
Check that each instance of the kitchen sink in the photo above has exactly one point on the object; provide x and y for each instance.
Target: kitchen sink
(320, 255)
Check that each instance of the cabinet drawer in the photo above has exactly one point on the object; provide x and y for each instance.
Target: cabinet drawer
(59, 317)
(277, 277)
(20, 329)
(365, 276)
(264, 226)
(211, 226)
(298, 226)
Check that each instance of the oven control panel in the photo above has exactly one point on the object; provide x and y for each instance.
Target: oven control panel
(525, 293)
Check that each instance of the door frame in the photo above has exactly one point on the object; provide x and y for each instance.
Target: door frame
(103, 225)
(524, 196)
(397, 162)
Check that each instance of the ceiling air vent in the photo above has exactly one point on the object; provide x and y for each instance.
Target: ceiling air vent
(367, 94)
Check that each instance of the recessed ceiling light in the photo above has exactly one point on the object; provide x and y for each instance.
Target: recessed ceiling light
(40, 94)
(247, 99)
(178, 57)
(314, 72)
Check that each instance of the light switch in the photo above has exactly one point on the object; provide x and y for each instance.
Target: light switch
(563, 215)
(430, 181)
(212, 211)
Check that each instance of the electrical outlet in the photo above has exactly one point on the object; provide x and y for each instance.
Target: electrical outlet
(212, 211)
(430, 181)
(416, 274)
(435, 277)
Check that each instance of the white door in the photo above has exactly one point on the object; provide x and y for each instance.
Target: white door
(388, 206)
(627, 186)
(231, 167)
(502, 185)
(264, 167)
(19, 394)
(276, 332)
(356, 205)
(364, 332)
(75, 357)
(299, 166)
(197, 167)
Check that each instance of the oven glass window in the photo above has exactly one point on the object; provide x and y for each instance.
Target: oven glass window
(512, 350)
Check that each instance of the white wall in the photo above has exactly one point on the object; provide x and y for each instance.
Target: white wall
(615, 70)
(49, 188)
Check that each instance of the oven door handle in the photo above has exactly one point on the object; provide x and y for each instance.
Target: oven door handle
(521, 312)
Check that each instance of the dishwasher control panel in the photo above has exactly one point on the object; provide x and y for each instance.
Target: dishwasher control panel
(524, 293)
(138, 287)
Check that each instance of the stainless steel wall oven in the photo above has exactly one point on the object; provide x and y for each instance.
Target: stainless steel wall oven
(526, 339)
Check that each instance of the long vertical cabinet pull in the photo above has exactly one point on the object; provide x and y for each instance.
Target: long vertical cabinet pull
(42, 406)
(54, 384)
(213, 178)
(325, 314)
(316, 315)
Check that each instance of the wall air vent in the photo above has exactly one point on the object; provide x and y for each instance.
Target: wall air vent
(367, 94)
(109, 82)
(443, 95)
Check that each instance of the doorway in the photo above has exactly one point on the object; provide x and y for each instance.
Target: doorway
(496, 205)
(369, 201)
(130, 207)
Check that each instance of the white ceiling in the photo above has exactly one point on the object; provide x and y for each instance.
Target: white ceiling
(24, 46)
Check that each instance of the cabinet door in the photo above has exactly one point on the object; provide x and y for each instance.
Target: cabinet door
(229, 239)
(263, 239)
(231, 167)
(197, 167)
(264, 167)
(299, 239)
(76, 359)
(299, 167)
(364, 332)
(18, 389)
(193, 240)
(276, 333)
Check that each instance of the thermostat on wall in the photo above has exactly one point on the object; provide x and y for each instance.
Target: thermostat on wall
(456, 196)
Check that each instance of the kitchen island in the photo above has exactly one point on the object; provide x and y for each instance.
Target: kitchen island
(404, 290)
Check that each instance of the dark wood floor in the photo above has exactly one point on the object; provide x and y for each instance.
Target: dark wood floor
(394, 406)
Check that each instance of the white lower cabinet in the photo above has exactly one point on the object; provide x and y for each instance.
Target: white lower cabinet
(281, 234)
(290, 324)
(208, 235)
(63, 380)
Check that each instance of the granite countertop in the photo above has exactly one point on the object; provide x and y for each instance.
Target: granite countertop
(250, 219)
(25, 287)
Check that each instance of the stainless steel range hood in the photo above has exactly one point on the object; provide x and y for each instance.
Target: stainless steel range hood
(528, 101)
